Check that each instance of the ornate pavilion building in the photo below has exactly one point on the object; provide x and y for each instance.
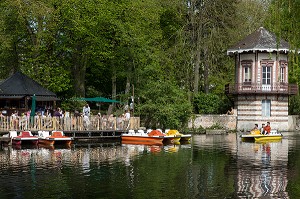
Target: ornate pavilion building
(261, 90)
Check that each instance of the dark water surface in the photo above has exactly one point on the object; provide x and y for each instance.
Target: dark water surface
(211, 166)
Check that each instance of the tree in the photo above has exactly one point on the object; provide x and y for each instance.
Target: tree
(28, 37)
(164, 105)
(115, 48)
(283, 20)
(208, 26)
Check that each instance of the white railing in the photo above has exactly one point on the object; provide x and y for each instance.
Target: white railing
(280, 88)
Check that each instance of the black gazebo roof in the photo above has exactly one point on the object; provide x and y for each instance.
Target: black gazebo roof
(19, 85)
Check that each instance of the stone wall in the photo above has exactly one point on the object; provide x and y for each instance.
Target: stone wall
(207, 121)
(228, 122)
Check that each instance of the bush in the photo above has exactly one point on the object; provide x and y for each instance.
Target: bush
(164, 105)
(207, 103)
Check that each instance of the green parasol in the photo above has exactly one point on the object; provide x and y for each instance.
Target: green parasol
(33, 106)
(97, 99)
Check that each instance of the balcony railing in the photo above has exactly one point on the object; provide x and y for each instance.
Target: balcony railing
(252, 88)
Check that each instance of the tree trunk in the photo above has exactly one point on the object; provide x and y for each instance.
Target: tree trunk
(15, 64)
(78, 71)
(196, 73)
(114, 82)
(128, 79)
(206, 72)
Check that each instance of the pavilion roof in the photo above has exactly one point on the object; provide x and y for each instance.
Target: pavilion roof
(19, 85)
(261, 40)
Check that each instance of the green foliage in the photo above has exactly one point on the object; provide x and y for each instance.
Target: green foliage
(284, 21)
(216, 126)
(294, 105)
(164, 105)
(207, 103)
(170, 23)
(72, 105)
(106, 48)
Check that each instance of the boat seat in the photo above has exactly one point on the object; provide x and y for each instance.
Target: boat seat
(131, 131)
(43, 134)
(272, 132)
(141, 131)
(149, 130)
(13, 134)
(159, 130)
(26, 134)
(57, 133)
(40, 133)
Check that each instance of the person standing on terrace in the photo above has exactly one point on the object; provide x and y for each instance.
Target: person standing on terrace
(86, 110)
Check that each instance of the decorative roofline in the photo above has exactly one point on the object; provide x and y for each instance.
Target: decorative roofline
(269, 50)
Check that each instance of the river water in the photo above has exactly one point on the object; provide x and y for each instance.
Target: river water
(211, 166)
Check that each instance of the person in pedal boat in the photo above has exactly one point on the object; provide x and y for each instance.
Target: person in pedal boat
(255, 130)
(262, 130)
(267, 128)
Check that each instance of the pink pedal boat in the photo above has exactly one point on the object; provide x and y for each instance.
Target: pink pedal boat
(25, 137)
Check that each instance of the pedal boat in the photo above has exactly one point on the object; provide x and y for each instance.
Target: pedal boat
(178, 137)
(25, 137)
(154, 137)
(257, 137)
(56, 138)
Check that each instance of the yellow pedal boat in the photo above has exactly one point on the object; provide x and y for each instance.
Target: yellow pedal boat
(179, 136)
(257, 137)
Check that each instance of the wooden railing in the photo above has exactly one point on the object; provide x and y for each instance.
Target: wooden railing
(251, 88)
(67, 123)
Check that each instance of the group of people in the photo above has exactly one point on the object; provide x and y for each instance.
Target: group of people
(65, 119)
(106, 121)
(265, 129)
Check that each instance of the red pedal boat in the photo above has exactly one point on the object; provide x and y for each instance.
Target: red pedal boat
(153, 137)
(56, 138)
(25, 137)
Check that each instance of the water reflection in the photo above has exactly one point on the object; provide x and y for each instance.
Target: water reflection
(262, 169)
(82, 155)
(212, 166)
(259, 170)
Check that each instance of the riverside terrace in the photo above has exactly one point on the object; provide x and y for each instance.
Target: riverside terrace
(72, 126)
